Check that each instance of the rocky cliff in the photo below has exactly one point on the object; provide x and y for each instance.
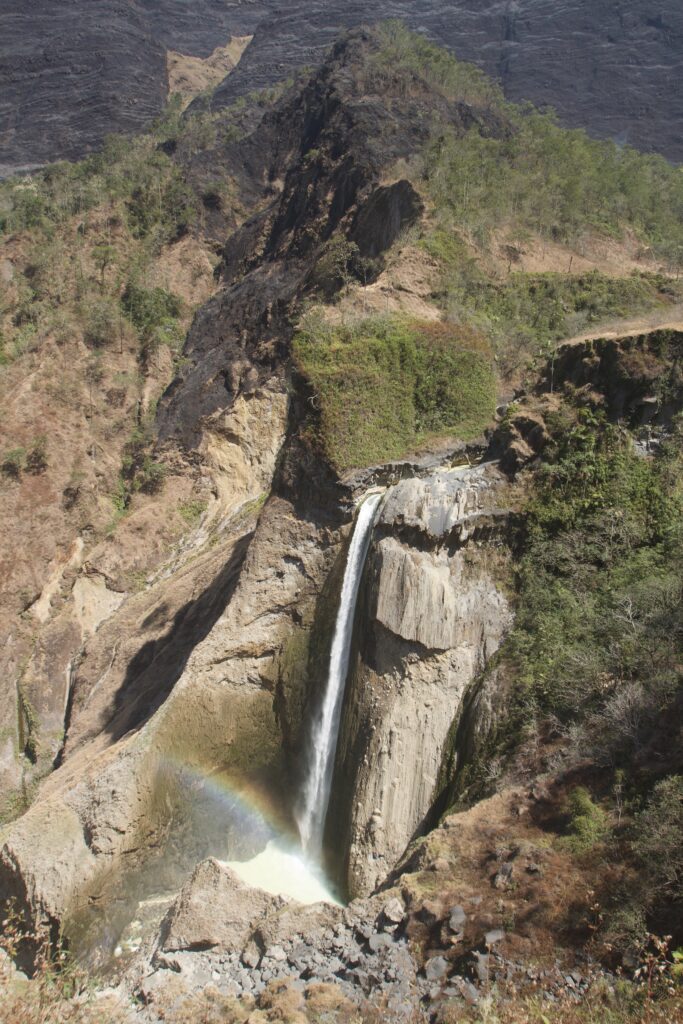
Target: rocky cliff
(433, 613)
(206, 671)
(169, 693)
(69, 75)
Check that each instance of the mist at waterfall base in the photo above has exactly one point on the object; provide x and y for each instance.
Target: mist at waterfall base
(241, 824)
(299, 873)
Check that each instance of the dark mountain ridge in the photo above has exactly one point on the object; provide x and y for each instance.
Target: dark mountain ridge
(70, 75)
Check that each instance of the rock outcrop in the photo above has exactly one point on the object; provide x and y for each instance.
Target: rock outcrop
(432, 614)
(194, 924)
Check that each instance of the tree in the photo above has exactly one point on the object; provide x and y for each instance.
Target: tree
(104, 256)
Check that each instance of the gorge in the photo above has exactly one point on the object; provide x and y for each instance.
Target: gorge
(341, 583)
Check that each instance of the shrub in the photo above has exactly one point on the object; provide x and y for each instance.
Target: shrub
(154, 313)
(657, 839)
(100, 321)
(150, 475)
(36, 457)
(588, 822)
(192, 511)
(13, 462)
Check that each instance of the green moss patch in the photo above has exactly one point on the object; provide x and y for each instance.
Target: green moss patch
(384, 386)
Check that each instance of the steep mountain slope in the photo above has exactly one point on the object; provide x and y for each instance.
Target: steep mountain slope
(71, 74)
(74, 72)
(613, 70)
(361, 330)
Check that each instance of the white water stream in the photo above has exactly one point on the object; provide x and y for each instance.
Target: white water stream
(325, 725)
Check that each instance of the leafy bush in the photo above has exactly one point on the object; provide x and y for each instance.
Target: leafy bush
(13, 462)
(36, 457)
(657, 839)
(599, 584)
(154, 312)
(404, 50)
(192, 511)
(150, 475)
(384, 385)
(100, 321)
(587, 822)
(543, 178)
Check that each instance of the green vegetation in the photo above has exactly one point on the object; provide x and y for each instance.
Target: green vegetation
(91, 233)
(600, 598)
(13, 462)
(657, 839)
(588, 823)
(383, 386)
(36, 457)
(156, 201)
(596, 652)
(524, 313)
(155, 313)
(529, 172)
(403, 50)
(192, 511)
(515, 176)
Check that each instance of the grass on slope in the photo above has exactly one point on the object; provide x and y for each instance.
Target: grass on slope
(517, 165)
(385, 385)
(525, 312)
(518, 174)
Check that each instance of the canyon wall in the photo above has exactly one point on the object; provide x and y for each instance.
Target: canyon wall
(432, 613)
(73, 73)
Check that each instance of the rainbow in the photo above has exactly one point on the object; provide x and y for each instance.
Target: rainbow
(280, 866)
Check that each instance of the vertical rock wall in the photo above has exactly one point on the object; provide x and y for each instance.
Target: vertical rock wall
(431, 615)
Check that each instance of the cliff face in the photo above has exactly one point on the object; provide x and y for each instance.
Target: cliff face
(72, 73)
(433, 613)
(206, 670)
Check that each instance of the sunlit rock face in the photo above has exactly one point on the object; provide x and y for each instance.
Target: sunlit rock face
(433, 613)
(71, 73)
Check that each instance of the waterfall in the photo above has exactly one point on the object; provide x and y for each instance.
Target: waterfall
(325, 726)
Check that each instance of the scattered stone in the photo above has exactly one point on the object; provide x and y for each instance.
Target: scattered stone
(503, 877)
(493, 937)
(276, 953)
(457, 919)
(430, 912)
(481, 967)
(381, 941)
(393, 912)
(467, 990)
(251, 956)
(436, 968)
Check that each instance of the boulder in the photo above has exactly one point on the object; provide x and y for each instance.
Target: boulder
(215, 910)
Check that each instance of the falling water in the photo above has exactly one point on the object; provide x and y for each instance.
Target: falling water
(325, 726)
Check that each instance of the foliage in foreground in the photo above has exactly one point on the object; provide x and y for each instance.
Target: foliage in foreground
(383, 386)
(596, 654)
